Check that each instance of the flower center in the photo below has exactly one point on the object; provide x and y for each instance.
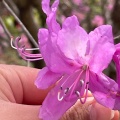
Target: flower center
(79, 86)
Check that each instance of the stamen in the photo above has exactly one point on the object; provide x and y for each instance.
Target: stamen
(85, 88)
(30, 55)
(67, 77)
(61, 87)
(75, 83)
(11, 43)
(87, 83)
(27, 49)
(86, 93)
(116, 37)
(60, 98)
(23, 53)
(81, 83)
(66, 90)
(77, 93)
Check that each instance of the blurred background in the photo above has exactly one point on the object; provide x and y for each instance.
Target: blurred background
(90, 13)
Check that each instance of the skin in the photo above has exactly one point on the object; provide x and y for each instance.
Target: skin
(21, 100)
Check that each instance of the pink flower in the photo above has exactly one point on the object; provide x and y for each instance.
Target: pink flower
(77, 2)
(98, 20)
(75, 60)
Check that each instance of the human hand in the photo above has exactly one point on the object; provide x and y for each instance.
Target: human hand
(91, 110)
(21, 100)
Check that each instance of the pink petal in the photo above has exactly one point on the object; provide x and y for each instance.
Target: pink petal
(52, 24)
(46, 6)
(104, 90)
(50, 53)
(52, 108)
(43, 36)
(117, 46)
(72, 39)
(101, 48)
(116, 59)
(58, 65)
(46, 78)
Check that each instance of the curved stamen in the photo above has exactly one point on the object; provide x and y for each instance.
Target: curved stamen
(30, 55)
(23, 53)
(85, 81)
(86, 93)
(67, 77)
(81, 83)
(85, 88)
(77, 93)
(29, 59)
(60, 98)
(75, 83)
(66, 90)
(11, 43)
(14, 47)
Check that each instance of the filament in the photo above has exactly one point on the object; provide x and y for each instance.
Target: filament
(85, 88)
(22, 51)
(75, 83)
(28, 49)
(60, 98)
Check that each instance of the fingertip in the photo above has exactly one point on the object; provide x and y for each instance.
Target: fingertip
(116, 115)
(99, 112)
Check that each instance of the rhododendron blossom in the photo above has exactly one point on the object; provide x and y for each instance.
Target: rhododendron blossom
(74, 61)
(98, 20)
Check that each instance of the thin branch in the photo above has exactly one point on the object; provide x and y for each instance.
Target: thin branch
(22, 25)
(5, 28)
(116, 37)
(13, 6)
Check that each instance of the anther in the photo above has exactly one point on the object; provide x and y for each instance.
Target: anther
(60, 98)
(87, 83)
(61, 88)
(66, 90)
(81, 83)
(77, 93)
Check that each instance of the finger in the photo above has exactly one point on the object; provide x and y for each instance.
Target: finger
(99, 112)
(20, 81)
(12, 111)
(91, 110)
(116, 115)
(79, 111)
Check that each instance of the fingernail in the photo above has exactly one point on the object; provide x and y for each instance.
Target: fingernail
(99, 112)
(112, 114)
(90, 99)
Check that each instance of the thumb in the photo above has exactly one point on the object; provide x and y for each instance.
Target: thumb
(91, 110)
(99, 112)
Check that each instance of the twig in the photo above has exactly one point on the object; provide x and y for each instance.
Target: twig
(116, 37)
(5, 28)
(22, 25)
